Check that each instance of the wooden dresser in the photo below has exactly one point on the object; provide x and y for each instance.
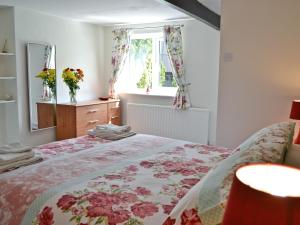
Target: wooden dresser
(74, 120)
(46, 115)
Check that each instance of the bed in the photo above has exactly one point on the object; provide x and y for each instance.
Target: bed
(140, 180)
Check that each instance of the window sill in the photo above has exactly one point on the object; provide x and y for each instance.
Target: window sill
(152, 94)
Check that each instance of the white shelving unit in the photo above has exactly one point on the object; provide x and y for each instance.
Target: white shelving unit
(6, 54)
(7, 101)
(8, 78)
(9, 122)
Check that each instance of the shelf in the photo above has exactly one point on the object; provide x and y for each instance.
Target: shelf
(7, 78)
(7, 101)
(6, 54)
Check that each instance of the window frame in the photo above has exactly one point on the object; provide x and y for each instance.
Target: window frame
(156, 35)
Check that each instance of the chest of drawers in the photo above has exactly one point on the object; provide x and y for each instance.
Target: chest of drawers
(46, 116)
(74, 120)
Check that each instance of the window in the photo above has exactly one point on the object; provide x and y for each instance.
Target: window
(148, 68)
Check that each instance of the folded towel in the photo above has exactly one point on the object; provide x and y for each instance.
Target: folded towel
(20, 163)
(107, 133)
(110, 136)
(14, 148)
(121, 136)
(113, 128)
(9, 158)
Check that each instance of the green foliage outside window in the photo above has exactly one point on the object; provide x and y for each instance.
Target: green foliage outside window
(146, 78)
(141, 50)
(162, 76)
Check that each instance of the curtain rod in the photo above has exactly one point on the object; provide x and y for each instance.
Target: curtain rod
(162, 26)
(150, 27)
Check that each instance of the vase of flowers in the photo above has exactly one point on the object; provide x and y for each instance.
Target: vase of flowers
(72, 77)
(48, 77)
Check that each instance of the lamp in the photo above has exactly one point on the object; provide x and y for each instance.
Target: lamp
(295, 115)
(264, 194)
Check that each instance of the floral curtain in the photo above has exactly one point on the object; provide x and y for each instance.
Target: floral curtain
(47, 56)
(121, 41)
(173, 38)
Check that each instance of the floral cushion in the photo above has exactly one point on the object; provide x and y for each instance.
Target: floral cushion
(268, 145)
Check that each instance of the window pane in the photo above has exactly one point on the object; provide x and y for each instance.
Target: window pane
(166, 78)
(147, 67)
(141, 62)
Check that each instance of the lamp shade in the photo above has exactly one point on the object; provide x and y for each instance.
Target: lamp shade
(295, 110)
(264, 194)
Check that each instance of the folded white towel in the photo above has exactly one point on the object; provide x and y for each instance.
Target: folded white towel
(14, 148)
(9, 158)
(110, 135)
(20, 163)
(113, 128)
(107, 133)
(120, 136)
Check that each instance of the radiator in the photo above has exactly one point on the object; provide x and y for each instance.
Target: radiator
(190, 125)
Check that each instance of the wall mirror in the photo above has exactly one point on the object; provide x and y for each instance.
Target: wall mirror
(41, 64)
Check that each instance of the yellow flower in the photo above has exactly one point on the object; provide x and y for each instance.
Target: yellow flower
(42, 75)
(52, 72)
(51, 79)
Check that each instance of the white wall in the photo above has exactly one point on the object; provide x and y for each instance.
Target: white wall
(259, 72)
(201, 56)
(77, 45)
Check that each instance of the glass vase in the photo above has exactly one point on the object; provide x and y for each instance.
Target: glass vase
(53, 95)
(72, 95)
(46, 93)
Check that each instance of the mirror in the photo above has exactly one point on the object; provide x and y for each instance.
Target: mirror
(41, 64)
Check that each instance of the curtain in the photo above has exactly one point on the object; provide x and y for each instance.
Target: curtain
(173, 38)
(47, 56)
(121, 41)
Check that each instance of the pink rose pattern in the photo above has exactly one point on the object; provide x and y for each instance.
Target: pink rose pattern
(169, 221)
(190, 217)
(66, 202)
(45, 217)
(149, 188)
(69, 146)
(142, 191)
(144, 209)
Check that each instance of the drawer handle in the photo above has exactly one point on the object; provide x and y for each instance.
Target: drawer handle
(114, 107)
(93, 111)
(114, 117)
(93, 121)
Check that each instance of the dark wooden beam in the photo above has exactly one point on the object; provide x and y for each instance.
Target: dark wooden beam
(196, 10)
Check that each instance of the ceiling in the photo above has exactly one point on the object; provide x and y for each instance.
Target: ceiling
(109, 12)
(105, 12)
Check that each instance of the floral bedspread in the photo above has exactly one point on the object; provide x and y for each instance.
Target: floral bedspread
(69, 146)
(138, 180)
